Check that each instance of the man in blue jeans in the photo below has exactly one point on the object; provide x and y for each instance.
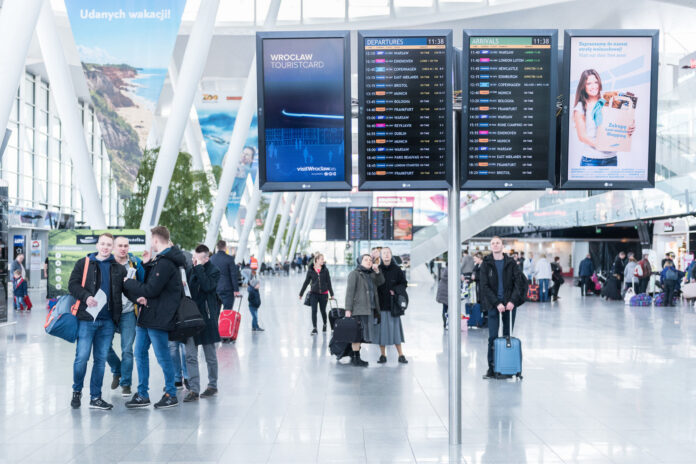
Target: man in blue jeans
(158, 298)
(103, 285)
(122, 369)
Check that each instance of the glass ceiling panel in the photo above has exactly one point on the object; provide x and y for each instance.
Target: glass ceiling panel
(316, 10)
(413, 3)
(366, 8)
(290, 11)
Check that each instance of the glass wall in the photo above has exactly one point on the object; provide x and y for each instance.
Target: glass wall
(37, 165)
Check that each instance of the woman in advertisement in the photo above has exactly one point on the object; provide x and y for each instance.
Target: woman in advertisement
(587, 115)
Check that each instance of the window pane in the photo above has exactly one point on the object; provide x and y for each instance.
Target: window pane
(317, 10)
(54, 194)
(42, 97)
(413, 3)
(290, 11)
(9, 160)
(27, 164)
(55, 128)
(362, 8)
(28, 138)
(42, 121)
(29, 90)
(40, 193)
(25, 190)
(40, 168)
(41, 144)
(14, 136)
(12, 185)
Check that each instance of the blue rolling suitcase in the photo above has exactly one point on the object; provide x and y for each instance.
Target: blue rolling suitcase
(507, 354)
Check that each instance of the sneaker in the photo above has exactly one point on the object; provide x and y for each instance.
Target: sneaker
(99, 403)
(314, 331)
(75, 403)
(192, 396)
(489, 374)
(115, 381)
(167, 401)
(382, 359)
(403, 360)
(209, 392)
(126, 392)
(138, 402)
(179, 385)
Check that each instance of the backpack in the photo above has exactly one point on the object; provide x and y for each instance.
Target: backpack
(188, 320)
(671, 274)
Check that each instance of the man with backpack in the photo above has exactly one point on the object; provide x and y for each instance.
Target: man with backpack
(503, 289)
(669, 278)
(97, 283)
(159, 298)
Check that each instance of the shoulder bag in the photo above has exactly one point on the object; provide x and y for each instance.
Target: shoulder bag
(61, 321)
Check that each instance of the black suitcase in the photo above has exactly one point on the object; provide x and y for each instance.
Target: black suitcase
(335, 313)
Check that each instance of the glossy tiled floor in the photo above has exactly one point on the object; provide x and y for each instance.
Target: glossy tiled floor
(603, 383)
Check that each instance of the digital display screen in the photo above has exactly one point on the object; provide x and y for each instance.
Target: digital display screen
(609, 123)
(304, 109)
(381, 224)
(359, 223)
(335, 224)
(509, 133)
(402, 219)
(405, 111)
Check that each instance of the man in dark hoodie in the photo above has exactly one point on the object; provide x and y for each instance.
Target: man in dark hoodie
(503, 289)
(159, 298)
(96, 325)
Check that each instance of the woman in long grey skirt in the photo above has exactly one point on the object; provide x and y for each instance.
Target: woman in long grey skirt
(390, 331)
(362, 301)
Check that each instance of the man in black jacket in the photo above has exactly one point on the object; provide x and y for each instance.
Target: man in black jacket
(503, 289)
(96, 325)
(159, 298)
(228, 285)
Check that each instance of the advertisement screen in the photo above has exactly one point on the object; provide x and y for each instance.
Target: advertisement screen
(405, 109)
(610, 122)
(303, 113)
(508, 135)
(403, 223)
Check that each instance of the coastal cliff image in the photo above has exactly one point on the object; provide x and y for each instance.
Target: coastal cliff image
(125, 47)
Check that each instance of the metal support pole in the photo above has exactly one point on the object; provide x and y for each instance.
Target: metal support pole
(301, 219)
(281, 227)
(301, 197)
(66, 103)
(268, 227)
(454, 310)
(249, 222)
(190, 74)
(17, 23)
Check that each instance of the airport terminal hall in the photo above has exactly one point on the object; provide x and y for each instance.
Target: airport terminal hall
(348, 231)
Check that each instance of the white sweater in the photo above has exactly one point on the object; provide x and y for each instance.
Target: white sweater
(542, 269)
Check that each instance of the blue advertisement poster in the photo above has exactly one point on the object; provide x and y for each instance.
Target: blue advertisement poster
(125, 47)
(304, 104)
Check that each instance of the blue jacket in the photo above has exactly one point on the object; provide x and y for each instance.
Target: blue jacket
(663, 274)
(20, 291)
(586, 268)
(254, 297)
(229, 272)
(139, 268)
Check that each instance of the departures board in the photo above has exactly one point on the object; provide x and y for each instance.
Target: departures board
(509, 102)
(405, 117)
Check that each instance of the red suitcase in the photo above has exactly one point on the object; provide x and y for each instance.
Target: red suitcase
(533, 292)
(229, 322)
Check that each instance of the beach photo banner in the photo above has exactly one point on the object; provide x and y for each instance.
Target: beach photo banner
(125, 47)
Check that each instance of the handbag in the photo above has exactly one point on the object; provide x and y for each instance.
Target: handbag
(689, 290)
(308, 299)
(61, 321)
(399, 304)
(188, 320)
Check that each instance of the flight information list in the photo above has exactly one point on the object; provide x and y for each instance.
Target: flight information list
(509, 98)
(405, 108)
(381, 224)
(359, 223)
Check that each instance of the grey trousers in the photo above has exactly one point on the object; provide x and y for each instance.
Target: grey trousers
(192, 365)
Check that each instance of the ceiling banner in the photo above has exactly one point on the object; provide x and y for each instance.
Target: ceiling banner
(125, 47)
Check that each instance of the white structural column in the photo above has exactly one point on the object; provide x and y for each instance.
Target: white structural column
(192, 145)
(249, 222)
(281, 226)
(69, 114)
(17, 23)
(301, 220)
(234, 154)
(268, 226)
(314, 210)
(190, 74)
(301, 198)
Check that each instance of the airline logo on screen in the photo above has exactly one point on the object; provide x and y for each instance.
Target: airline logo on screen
(295, 61)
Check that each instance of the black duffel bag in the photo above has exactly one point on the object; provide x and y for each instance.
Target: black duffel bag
(188, 321)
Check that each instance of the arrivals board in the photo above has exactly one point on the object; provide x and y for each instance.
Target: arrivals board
(509, 104)
(304, 110)
(405, 116)
(381, 223)
(359, 223)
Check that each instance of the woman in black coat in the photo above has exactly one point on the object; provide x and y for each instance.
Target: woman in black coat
(389, 331)
(319, 290)
(202, 282)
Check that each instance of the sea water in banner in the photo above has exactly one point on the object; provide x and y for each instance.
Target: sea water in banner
(217, 112)
(66, 247)
(125, 47)
(610, 108)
